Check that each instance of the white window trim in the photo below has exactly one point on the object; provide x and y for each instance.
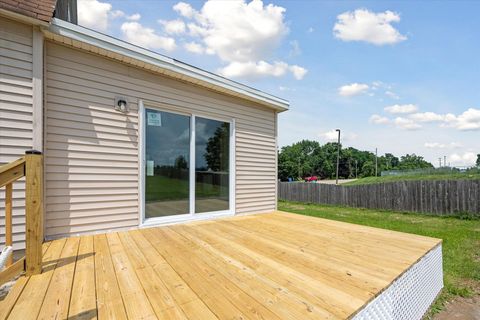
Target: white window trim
(141, 171)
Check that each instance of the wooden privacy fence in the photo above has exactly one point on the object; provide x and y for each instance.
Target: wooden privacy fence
(31, 167)
(441, 197)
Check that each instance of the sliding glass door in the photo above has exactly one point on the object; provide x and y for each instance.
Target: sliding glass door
(212, 146)
(167, 164)
(187, 165)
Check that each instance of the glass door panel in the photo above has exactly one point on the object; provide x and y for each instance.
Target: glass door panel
(167, 163)
(212, 179)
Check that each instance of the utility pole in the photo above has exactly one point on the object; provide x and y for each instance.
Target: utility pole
(444, 161)
(338, 155)
(376, 162)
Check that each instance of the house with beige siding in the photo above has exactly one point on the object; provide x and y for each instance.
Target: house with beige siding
(98, 135)
(130, 137)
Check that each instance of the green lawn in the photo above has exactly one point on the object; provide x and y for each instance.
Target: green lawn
(461, 240)
(445, 176)
(163, 188)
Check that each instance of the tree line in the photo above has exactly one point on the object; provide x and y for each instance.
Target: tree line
(309, 158)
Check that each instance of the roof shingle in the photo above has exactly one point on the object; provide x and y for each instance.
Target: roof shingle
(37, 9)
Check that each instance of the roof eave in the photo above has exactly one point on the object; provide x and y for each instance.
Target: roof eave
(185, 71)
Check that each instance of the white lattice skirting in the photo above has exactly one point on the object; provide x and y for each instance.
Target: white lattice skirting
(410, 296)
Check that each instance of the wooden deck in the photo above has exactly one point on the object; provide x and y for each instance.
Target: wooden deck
(267, 266)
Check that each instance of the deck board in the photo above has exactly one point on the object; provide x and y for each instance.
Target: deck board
(30, 301)
(266, 266)
(109, 299)
(8, 303)
(57, 298)
(83, 301)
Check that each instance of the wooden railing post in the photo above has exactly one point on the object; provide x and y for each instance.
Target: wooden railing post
(33, 211)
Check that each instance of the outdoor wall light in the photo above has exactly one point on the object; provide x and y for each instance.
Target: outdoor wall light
(121, 104)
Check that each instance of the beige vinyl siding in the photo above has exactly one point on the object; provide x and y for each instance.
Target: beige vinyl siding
(16, 114)
(92, 151)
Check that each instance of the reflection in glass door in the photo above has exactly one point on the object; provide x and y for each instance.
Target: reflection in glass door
(167, 164)
(212, 146)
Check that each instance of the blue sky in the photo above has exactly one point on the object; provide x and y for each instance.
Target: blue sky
(400, 76)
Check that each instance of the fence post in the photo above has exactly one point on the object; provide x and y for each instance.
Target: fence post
(33, 211)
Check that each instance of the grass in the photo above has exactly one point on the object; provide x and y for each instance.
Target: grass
(449, 176)
(162, 188)
(461, 240)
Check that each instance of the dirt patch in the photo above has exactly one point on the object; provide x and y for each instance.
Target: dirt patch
(461, 309)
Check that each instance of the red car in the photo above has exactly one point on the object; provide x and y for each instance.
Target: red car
(311, 179)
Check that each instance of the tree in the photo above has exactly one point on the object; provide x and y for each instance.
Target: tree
(181, 162)
(298, 160)
(217, 150)
(412, 161)
(307, 158)
(368, 169)
(389, 161)
(478, 160)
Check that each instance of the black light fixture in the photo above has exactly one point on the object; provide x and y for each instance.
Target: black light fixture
(121, 104)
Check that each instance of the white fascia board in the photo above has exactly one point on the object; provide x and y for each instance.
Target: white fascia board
(200, 76)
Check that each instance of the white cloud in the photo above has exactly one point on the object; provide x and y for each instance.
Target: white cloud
(401, 108)
(184, 9)
(392, 95)
(310, 30)
(94, 14)
(468, 120)
(438, 145)
(352, 89)
(242, 32)
(134, 17)
(117, 14)
(257, 69)
(194, 47)
(295, 48)
(406, 124)
(465, 159)
(146, 37)
(332, 135)
(176, 26)
(364, 25)
(261, 69)
(298, 72)
(243, 35)
(195, 30)
(377, 119)
(427, 117)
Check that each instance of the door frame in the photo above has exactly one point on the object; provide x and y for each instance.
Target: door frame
(191, 216)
